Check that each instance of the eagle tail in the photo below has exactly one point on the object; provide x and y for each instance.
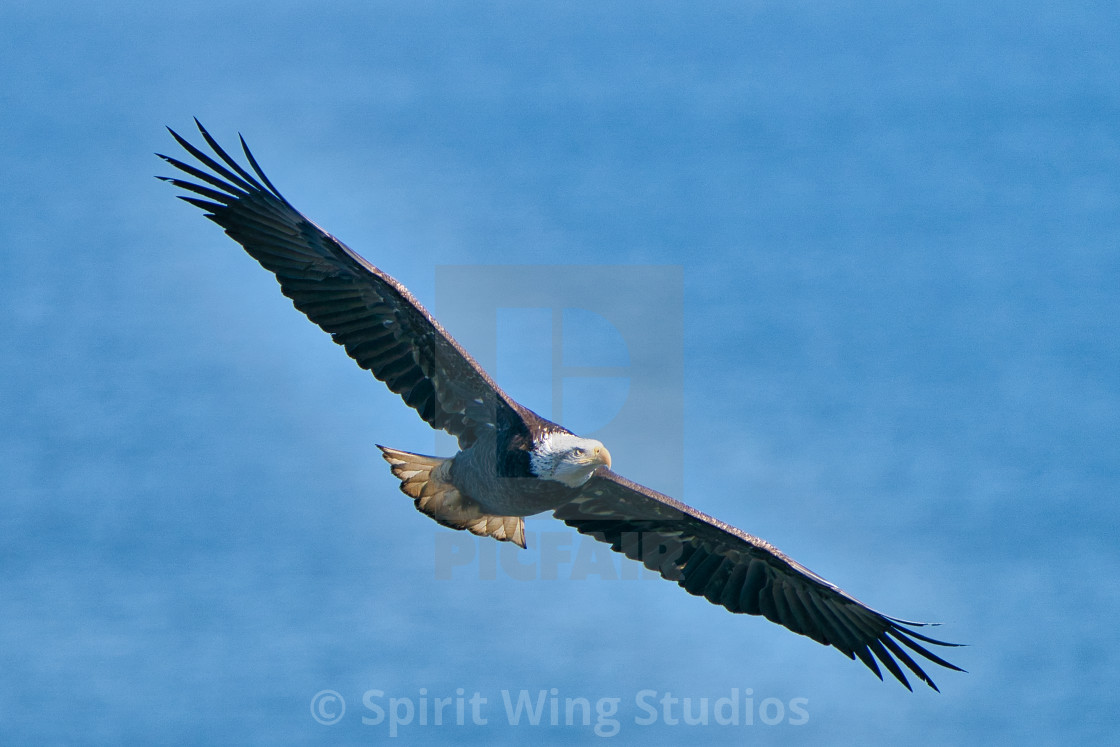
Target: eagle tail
(427, 480)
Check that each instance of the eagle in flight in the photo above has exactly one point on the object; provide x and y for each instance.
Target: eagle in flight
(513, 463)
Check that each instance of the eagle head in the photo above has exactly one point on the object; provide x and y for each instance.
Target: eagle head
(567, 458)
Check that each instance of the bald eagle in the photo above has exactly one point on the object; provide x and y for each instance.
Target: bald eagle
(513, 463)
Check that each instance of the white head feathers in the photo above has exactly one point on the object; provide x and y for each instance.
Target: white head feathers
(567, 458)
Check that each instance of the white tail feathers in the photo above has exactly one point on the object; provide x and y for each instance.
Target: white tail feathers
(427, 480)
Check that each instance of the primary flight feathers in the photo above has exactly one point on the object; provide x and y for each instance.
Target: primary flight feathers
(513, 463)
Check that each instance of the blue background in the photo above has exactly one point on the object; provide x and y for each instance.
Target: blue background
(899, 227)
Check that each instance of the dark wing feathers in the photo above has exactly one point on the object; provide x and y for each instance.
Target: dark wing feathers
(742, 573)
(370, 314)
(388, 332)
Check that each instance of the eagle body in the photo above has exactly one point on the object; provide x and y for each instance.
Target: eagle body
(507, 473)
(512, 462)
(498, 473)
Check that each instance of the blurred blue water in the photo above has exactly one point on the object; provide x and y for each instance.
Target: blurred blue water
(899, 229)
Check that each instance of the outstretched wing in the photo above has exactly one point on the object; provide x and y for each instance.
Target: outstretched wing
(743, 573)
(370, 314)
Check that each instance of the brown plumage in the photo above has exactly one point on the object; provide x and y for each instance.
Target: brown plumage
(385, 330)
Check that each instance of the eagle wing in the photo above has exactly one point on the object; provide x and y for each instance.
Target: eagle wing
(742, 573)
(370, 314)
